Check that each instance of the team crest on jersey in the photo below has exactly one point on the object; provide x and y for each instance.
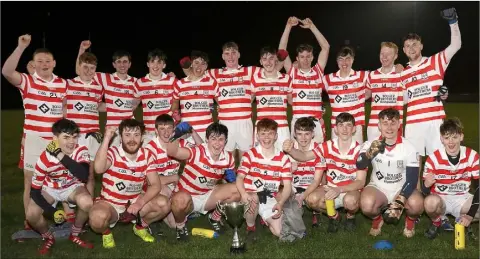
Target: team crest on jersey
(424, 76)
(240, 79)
(355, 84)
(276, 174)
(400, 164)
(206, 93)
(345, 87)
(394, 85)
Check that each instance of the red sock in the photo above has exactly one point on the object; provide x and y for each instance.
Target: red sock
(216, 215)
(437, 222)
(106, 232)
(47, 235)
(251, 228)
(376, 221)
(410, 222)
(76, 230)
(71, 217)
(144, 225)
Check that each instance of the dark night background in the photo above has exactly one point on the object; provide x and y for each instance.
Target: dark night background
(179, 27)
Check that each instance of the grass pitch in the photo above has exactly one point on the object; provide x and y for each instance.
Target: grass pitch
(318, 244)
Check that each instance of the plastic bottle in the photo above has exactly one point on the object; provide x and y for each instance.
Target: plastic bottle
(459, 236)
(330, 204)
(208, 233)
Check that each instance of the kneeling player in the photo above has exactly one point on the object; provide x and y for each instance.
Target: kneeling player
(167, 167)
(344, 181)
(262, 170)
(307, 176)
(125, 169)
(394, 176)
(447, 177)
(197, 190)
(58, 177)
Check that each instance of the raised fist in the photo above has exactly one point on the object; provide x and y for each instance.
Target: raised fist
(185, 62)
(306, 23)
(287, 145)
(85, 44)
(377, 146)
(282, 55)
(24, 41)
(109, 132)
(292, 21)
(450, 15)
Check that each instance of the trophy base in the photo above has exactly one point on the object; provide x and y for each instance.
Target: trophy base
(238, 250)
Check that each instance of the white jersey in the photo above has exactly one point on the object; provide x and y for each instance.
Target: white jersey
(390, 168)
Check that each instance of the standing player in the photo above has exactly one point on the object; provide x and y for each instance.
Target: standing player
(194, 95)
(42, 95)
(198, 189)
(273, 90)
(83, 103)
(422, 79)
(346, 91)
(166, 166)
(394, 176)
(58, 177)
(447, 177)
(385, 87)
(344, 180)
(307, 176)
(126, 169)
(155, 90)
(119, 88)
(307, 81)
(263, 169)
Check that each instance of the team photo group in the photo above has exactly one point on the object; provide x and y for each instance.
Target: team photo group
(179, 159)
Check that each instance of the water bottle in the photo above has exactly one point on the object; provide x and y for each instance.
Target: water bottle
(208, 233)
(459, 236)
(330, 204)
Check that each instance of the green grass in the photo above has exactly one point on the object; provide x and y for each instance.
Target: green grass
(318, 244)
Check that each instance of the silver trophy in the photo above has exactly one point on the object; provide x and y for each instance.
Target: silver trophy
(234, 214)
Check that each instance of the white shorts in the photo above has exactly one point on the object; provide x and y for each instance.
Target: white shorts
(358, 136)
(265, 210)
(199, 202)
(424, 135)
(283, 134)
(388, 193)
(61, 195)
(240, 134)
(454, 203)
(91, 144)
(148, 137)
(118, 208)
(34, 146)
(318, 131)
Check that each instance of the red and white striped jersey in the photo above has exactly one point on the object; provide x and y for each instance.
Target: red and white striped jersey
(123, 181)
(303, 176)
(119, 97)
(51, 173)
(341, 168)
(43, 103)
(389, 170)
(164, 164)
(196, 100)
(234, 94)
(307, 92)
(263, 173)
(156, 96)
(201, 172)
(82, 103)
(422, 83)
(271, 95)
(452, 179)
(387, 92)
(347, 94)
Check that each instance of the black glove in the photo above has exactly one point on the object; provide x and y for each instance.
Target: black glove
(97, 135)
(262, 196)
(442, 91)
(450, 15)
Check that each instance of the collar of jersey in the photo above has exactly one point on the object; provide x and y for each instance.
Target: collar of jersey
(161, 78)
(39, 78)
(209, 156)
(123, 155)
(126, 80)
(352, 72)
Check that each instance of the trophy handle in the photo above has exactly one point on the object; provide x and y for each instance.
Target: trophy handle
(247, 207)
